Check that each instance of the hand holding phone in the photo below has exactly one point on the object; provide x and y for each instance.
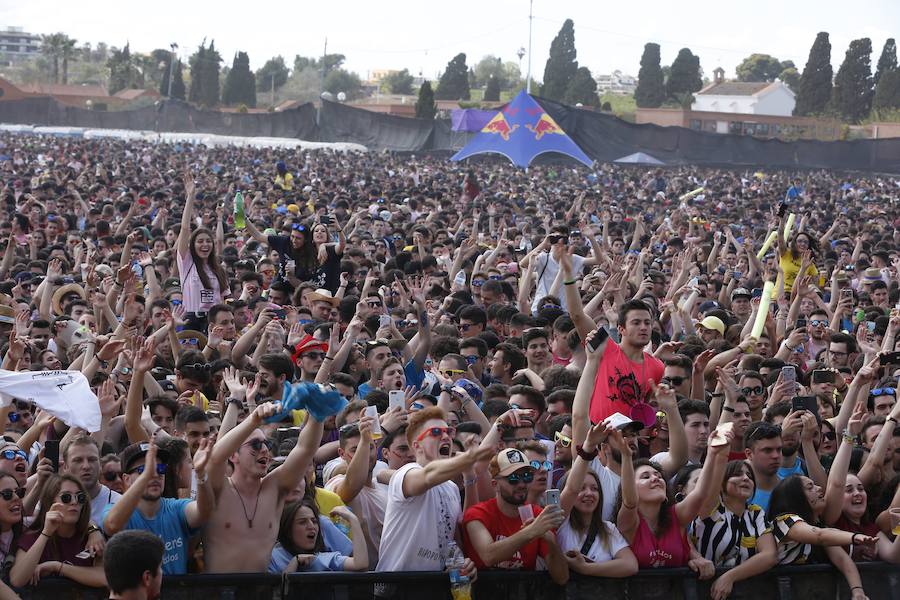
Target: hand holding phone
(51, 452)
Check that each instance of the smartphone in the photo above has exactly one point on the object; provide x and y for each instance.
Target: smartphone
(870, 325)
(846, 293)
(823, 376)
(280, 313)
(801, 323)
(384, 320)
(756, 293)
(782, 209)
(789, 373)
(599, 337)
(891, 358)
(325, 220)
(396, 398)
(808, 403)
(551, 497)
(51, 451)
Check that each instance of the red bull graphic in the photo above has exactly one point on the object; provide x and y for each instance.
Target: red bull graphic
(543, 126)
(499, 125)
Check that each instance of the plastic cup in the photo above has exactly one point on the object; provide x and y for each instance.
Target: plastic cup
(895, 520)
(526, 513)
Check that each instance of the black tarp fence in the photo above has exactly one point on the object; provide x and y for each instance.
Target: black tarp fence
(603, 137)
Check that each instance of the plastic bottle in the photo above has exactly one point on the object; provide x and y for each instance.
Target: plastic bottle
(460, 586)
(460, 279)
(239, 222)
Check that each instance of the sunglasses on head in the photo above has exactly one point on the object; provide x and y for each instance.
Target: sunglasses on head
(436, 432)
(298, 227)
(8, 494)
(14, 454)
(756, 390)
(541, 465)
(675, 380)
(257, 445)
(886, 391)
(564, 440)
(160, 469)
(515, 478)
(69, 497)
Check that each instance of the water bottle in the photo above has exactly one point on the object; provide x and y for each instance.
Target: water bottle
(239, 222)
(460, 279)
(460, 586)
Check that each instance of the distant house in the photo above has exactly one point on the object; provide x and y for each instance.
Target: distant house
(95, 97)
(616, 83)
(133, 94)
(745, 97)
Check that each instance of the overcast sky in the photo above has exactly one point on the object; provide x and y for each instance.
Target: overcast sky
(414, 35)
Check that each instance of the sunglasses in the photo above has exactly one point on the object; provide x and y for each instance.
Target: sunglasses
(8, 494)
(313, 355)
(757, 390)
(829, 435)
(189, 341)
(257, 445)
(466, 326)
(477, 282)
(374, 304)
(541, 465)
(564, 440)
(160, 469)
(887, 391)
(14, 454)
(515, 478)
(495, 277)
(436, 432)
(555, 239)
(68, 497)
(111, 476)
(675, 381)
(449, 372)
(818, 323)
(297, 227)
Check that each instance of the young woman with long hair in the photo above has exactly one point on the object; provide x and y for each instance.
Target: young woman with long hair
(10, 528)
(591, 545)
(203, 280)
(56, 538)
(301, 546)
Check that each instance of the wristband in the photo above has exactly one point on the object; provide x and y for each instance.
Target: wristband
(584, 454)
(891, 419)
(570, 282)
(328, 358)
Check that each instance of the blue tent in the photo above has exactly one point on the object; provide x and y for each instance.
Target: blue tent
(520, 132)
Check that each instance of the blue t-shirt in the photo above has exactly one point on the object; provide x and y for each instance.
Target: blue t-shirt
(798, 469)
(414, 376)
(324, 561)
(761, 498)
(171, 525)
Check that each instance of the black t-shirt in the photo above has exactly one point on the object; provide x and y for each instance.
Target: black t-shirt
(326, 276)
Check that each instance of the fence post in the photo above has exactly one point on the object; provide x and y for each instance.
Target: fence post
(784, 588)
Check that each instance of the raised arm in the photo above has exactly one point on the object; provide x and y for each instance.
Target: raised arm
(182, 244)
(419, 481)
(705, 493)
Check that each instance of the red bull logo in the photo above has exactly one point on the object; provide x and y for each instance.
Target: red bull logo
(543, 126)
(499, 125)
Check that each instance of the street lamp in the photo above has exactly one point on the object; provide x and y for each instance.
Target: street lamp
(174, 47)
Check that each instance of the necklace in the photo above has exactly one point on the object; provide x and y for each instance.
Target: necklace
(244, 507)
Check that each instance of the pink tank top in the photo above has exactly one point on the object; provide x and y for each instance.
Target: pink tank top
(670, 550)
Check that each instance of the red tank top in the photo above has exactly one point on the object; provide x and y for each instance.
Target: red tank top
(670, 550)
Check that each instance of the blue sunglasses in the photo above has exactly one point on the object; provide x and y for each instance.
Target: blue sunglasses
(888, 391)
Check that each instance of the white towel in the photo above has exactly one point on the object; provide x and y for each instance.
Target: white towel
(66, 395)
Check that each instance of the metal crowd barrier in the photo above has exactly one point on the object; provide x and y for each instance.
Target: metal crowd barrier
(806, 582)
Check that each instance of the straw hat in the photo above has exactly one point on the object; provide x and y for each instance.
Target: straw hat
(63, 291)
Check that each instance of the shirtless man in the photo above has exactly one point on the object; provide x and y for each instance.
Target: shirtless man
(242, 531)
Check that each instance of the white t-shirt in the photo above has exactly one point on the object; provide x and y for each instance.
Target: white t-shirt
(334, 463)
(99, 504)
(418, 529)
(546, 268)
(569, 539)
(609, 484)
(369, 504)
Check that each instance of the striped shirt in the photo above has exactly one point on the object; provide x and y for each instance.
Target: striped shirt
(789, 552)
(728, 539)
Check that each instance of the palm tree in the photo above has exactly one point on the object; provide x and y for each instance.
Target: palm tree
(67, 50)
(51, 47)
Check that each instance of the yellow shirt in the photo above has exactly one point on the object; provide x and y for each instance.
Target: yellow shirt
(286, 182)
(791, 268)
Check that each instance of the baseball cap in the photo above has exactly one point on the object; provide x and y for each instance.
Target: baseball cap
(713, 323)
(469, 388)
(709, 305)
(740, 292)
(619, 421)
(511, 460)
(135, 453)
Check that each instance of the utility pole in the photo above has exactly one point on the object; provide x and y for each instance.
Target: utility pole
(273, 90)
(322, 80)
(530, 21)
(173, 46)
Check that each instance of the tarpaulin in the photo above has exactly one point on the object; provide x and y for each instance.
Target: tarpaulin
(470, 119)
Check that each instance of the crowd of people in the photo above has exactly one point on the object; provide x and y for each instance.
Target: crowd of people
(588, 372)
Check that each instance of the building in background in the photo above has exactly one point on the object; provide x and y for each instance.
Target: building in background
(616, 83)
(16, 45)
(771, 98)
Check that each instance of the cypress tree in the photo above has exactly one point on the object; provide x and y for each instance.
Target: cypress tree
(651, 90)
(425, 107)
(887, 61)
(684, 77)
(815, 83)
(454, 83)
(492, 89)
(198, 78)
(851, 96)
(887, 92)
(582, 89)
(561, 65)
(240, 84)
(178, 81)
